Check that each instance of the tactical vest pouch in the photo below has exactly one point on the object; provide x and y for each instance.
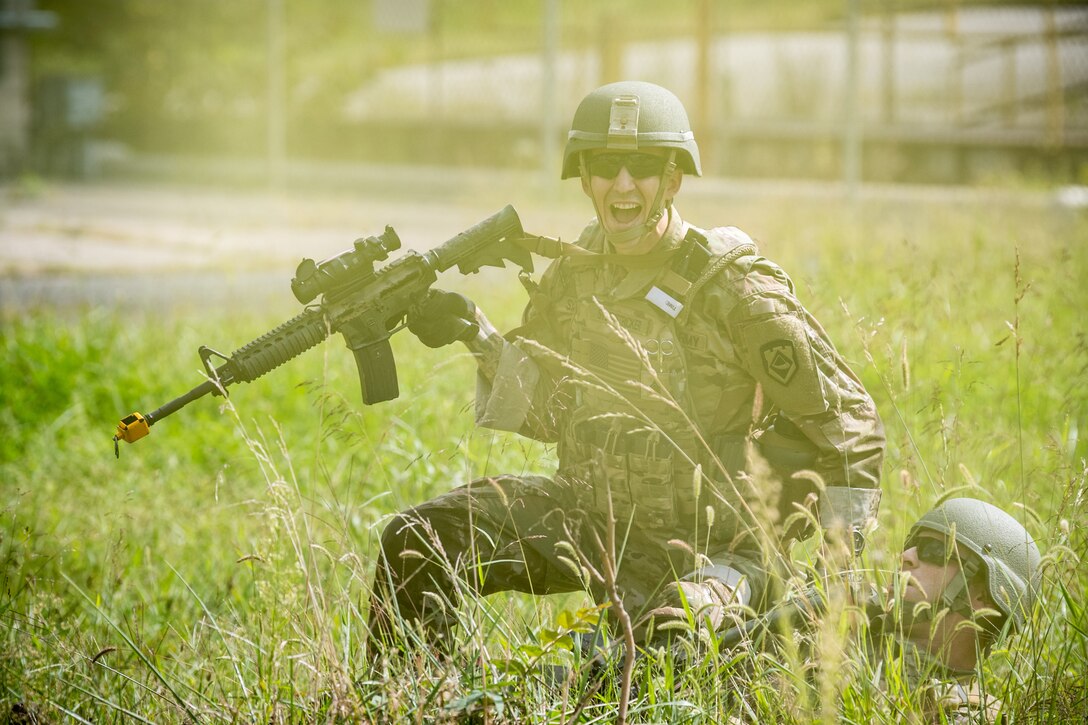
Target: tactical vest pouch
(610, 477)
(731, 454)
(652, 486)
(723, 488)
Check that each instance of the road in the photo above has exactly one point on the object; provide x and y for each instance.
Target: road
(139, 246)
(144, 246)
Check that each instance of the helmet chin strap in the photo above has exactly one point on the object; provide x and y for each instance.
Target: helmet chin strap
(955, 597)
(657, 209)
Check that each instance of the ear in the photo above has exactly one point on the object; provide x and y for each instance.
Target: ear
(980, 593)
(672, 187)
(583, 174)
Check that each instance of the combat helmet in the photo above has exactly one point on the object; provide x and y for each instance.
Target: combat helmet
(1007, 552)
(627, 116)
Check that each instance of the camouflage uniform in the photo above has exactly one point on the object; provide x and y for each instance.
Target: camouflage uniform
(649, 374)
(946, 696)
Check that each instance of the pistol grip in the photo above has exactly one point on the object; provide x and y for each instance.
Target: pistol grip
(377, 371)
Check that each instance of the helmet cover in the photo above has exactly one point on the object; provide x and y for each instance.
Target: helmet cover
(1009, 555)
(627, 116)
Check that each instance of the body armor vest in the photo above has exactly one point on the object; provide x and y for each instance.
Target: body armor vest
(639, 429)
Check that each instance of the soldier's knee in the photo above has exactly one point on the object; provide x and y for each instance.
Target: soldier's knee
(413, 541)
(400, 535)
(393, 534)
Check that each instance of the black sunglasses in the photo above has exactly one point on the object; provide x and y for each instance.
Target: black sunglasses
(640, 166)
(931, 551)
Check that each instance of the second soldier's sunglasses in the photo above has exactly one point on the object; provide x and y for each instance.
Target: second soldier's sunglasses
(640, 166)
(930, 550)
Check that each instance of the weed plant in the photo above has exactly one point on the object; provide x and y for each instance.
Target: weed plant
(220, 570)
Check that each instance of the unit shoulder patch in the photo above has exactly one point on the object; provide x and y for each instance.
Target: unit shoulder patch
(779, 354)
(779, 360)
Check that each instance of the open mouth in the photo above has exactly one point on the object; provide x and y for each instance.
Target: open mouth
(625, 212)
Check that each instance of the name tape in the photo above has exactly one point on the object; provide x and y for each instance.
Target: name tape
(662, 299)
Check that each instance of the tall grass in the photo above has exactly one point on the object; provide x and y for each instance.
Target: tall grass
(220, 570)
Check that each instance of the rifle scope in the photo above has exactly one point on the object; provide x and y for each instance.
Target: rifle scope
(312, 279)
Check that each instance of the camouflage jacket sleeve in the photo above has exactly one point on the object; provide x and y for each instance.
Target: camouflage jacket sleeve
(804, 379)
(523, 395)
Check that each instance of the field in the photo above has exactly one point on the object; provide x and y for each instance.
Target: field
(220, 569)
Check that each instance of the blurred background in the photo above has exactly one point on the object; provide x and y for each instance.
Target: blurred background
(283, 91)
(920, 168)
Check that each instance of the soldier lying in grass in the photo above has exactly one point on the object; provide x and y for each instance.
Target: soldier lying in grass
(968, 576)
(969, 573)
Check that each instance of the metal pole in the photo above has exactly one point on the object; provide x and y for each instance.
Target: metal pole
(1055, 97)
(703, 95)
(548, 97)
(891, 45)
(960, 60)
(277, 123)
(851, 157)
(1009, 47)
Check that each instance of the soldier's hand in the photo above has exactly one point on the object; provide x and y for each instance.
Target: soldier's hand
(443, 318)
(707, 600)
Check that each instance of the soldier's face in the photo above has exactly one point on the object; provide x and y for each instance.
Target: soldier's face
(925, 577)
(624, 196)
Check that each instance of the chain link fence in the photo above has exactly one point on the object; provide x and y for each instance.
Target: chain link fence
(877, 90)
(917, 91)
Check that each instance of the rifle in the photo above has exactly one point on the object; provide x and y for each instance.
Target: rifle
(364, 304)
(810, 603)
(802, 612)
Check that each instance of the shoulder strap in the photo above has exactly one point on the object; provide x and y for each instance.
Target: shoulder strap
(698, 263)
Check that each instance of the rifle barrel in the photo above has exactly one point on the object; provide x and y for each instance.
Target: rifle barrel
(177, 404)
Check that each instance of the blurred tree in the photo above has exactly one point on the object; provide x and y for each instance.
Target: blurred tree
(168, 67)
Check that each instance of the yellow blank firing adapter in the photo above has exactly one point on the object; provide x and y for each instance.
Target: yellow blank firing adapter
(131, 428)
